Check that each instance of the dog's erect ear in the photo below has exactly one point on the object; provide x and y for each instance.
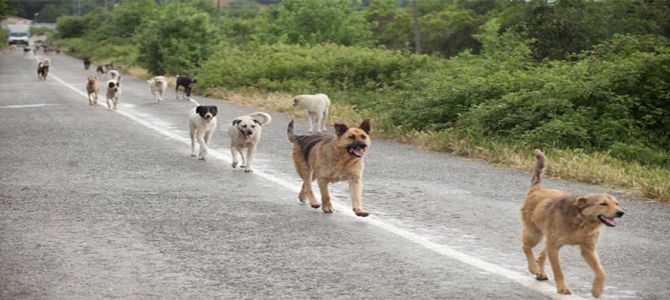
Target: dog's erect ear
(340, 129)
(365, 125)
(236, 121)
(581, 202)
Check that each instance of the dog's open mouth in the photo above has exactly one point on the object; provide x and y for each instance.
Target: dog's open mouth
(357, 150)
(610, 222)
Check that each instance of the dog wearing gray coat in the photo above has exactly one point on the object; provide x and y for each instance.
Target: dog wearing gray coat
(316, 106)
(245, 132)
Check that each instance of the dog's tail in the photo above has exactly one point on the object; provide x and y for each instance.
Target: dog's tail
(289, 131)
(539, 167)
(195, 103)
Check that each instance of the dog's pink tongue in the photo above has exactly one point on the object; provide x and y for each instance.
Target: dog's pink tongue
(610, 221)
(247, 138)
(359, 152)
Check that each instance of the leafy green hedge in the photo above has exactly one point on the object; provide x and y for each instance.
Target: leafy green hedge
(297, 69)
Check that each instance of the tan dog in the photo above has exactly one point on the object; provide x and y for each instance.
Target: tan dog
(326, 158)
(92, 89)
(564, 219)
(245, 132)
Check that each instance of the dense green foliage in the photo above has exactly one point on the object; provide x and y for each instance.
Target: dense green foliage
(573, 74)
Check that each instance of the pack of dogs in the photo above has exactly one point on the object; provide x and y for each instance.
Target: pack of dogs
(555, 216)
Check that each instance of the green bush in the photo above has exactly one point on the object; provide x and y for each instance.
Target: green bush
(177, 40)
(297, 69)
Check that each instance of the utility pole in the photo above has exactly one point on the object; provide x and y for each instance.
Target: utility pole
(417, 30)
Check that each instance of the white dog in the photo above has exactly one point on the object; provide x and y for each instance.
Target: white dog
(201, 124)
(114, 75)
(157, 86)
(315, 106)
(245, 132)
(113, 93)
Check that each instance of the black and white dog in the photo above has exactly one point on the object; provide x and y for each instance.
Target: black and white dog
(87, 63)
(186, 82)
(201, 125)
(113, 93)
(43, 68)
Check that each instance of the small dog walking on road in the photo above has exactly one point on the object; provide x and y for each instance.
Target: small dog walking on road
(201, 124)
(113, 93)
(316, 106)
(43, 68)
(326, 159)
(564, 219)
(114, 75)
(103, 69)
(157, 86)
(245, 132)
(187, 83)
(87, 63)
(92, 89)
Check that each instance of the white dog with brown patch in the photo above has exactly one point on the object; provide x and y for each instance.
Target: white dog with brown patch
(245, 132)
(316, 106)
(157, 86)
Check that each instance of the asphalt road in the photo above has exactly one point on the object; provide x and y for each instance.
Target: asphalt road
(102, 204)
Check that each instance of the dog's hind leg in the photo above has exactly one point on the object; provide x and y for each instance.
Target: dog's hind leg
(327, 206)
(324, 121)
(591, 257)
(531, 237)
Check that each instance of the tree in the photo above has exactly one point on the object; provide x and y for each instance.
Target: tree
(177, 39)
(310, 22)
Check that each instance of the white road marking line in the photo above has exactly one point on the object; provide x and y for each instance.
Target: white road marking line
(27, 105)
(525, 280)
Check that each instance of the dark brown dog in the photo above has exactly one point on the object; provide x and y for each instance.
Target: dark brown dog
(326, 158)
(564, 219)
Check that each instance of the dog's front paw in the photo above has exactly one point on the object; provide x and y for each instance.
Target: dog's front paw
(234, 165)
(248, 170)
(361, 213)
(202, 158)
(597, 289)
(564, 290)
(328, 210)
(315, 205)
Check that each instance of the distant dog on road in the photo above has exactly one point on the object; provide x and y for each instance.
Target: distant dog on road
(328, 159)
(87, 63)
(113, 94)
(316, 106)
(201, 124)
(564, 219)
(245, 132)
(43, 68)
(157, 86)
(92, 89)
(187, 83)
(114, 75)
(103, 69)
